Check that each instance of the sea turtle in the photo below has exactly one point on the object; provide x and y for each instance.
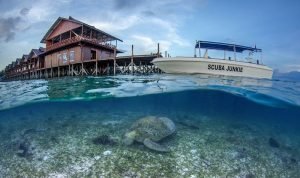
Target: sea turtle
(149, 130)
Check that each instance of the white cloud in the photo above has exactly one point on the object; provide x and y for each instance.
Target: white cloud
(146, 24)
(38, 11)
(145, 44)
(146, 41)
(143, 31)
(171, 31)
(18, 19)
(116, 24)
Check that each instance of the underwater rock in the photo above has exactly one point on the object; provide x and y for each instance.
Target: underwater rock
(149, 130)
(104, 140)
(273, 143)
(54, 139)
(289, 161)
(25, 149)
(293, 160)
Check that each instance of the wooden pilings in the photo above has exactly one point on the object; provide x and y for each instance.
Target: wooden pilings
(158, 54)
(115, 55)
(133, 64)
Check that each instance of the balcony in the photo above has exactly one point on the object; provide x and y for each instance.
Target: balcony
(77, 39)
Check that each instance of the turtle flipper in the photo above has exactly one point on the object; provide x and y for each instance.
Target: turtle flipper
(129, 138)
(155, 146)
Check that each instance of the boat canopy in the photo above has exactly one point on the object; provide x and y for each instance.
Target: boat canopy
(225, 46)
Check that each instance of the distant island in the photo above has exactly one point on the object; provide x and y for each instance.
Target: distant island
(292, 76)
(1, 75)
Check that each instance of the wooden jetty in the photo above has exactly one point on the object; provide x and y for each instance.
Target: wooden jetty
(74, 48)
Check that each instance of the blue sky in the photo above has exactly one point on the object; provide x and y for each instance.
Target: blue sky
(273, 26)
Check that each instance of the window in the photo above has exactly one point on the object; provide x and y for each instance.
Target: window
(72, 56)
(93, 54)
(58, 58)
(65, 58)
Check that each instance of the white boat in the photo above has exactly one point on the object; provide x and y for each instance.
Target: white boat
(216, 66)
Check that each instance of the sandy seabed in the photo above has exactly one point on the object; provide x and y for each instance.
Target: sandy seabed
(63, 145)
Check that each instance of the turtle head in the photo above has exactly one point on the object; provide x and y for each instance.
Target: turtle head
(129, 137)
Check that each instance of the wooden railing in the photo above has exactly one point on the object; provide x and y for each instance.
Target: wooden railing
(78, 39)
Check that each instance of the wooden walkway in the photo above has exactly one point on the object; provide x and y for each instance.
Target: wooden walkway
(137, 64)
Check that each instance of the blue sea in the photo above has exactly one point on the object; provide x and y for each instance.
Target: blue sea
(76, 127)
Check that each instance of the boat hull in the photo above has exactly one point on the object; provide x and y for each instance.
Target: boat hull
(213, 67)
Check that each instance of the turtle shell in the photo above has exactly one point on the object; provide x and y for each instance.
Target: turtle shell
(154, 128)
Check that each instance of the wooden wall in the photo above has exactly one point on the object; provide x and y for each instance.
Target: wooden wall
(58, 57)
(101, 54)
(63, 27)
(84, 53)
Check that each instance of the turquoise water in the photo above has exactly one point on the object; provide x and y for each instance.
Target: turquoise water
(75, 127)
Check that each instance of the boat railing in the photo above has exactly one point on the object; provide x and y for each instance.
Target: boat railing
(208, 45)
